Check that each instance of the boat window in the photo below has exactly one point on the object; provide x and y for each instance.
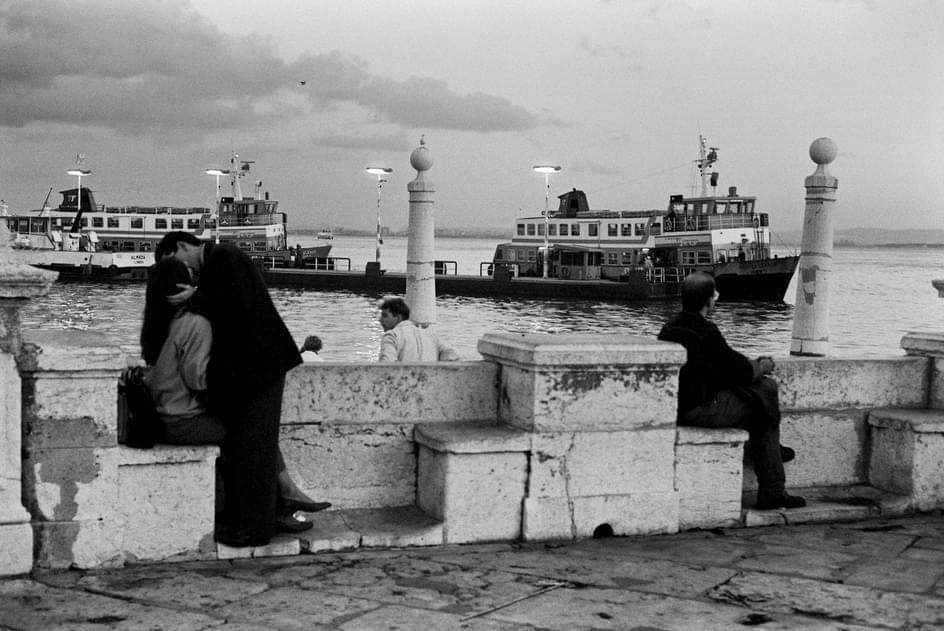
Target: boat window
(721, 208)
(626, 230)
(532, 255)
(259, 246)
(749, 207)
(611, 230)
(677, 207)
(193, 224)
(530, 229)
(226, 208)
(687, 257)
(98, 222)
(113, 222)
(512, 254)
(145, 246)
(704, 257)
(640, 229)
(137, 222)
(592, 230)
(552, 229)
(612, 258)
(23, 225)
(520, 229)
(655, 229)
(734, 207)
(127, 246)
(563, 230)
(628, 257)
(176, 224)
(37, 225)
(575, 229)
(160, 224)
(540, 229)
(244, 245)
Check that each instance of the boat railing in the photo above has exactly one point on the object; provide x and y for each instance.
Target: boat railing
(486, 268)
(441, 268)
(250, 220)
(328, 263)
(690, 223)
(668, 274)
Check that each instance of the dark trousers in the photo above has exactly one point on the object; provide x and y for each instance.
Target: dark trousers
(755, 408)
(251, 466)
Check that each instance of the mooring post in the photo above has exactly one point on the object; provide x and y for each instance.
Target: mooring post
(421, 242)
(811, 319)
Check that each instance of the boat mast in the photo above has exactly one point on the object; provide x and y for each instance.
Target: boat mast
(705, 160)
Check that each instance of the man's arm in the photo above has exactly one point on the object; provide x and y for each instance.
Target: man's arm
(388, 347)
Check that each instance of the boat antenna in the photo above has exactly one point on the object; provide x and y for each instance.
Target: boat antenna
(704, 162)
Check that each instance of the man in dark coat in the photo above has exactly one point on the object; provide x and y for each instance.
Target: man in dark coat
(719, 387)
(251, 352)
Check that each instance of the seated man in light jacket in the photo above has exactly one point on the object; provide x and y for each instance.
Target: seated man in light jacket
(403, 341)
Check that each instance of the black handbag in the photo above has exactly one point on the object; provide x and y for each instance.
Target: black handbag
(138, 422)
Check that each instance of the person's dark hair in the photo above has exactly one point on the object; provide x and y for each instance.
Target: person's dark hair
(163, 278)
(697, 289)
(397, 307)
(312, 343)
(168, 244)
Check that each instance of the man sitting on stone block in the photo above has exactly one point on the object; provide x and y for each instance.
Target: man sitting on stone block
(719, 387)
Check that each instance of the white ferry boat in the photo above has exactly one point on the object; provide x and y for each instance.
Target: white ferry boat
(724, 235)
(84, 237)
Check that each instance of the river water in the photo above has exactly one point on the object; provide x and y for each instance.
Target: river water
(877, 295)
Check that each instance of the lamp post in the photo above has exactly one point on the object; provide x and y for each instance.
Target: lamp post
(381, 173)
(78, 173)
(216, 213)
(546, 169)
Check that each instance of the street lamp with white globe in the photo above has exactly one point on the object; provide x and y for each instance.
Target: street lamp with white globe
(78, 173)
(381, 173)
(546, 169)
(216, 212)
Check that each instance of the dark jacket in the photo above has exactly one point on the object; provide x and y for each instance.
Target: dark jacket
(712, 365)
(252, 347)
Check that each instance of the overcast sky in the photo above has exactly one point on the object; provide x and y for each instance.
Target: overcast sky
(616, 92)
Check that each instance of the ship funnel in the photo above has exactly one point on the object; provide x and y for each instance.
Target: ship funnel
(732, 191)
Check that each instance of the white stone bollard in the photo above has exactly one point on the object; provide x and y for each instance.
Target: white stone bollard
(811, 319)
(420, 247)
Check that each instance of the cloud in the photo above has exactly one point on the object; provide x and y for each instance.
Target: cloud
(391, 142)
(593, 167)
(155, 66)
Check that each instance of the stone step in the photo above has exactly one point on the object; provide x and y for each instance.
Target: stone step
(829, 504)
(349, 529)
(917, 420)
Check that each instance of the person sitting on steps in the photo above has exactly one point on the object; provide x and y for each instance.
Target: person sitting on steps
(719, 387)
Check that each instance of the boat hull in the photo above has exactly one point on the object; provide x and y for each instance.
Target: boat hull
(765, 279)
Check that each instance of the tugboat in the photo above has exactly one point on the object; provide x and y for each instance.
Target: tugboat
(82, 237)
(653, 250)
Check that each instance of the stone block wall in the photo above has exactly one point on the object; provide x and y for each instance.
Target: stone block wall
(347, 429)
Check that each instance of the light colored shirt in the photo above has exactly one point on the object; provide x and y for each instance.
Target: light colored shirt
(177, 381)
(311, 356)
(407, 342)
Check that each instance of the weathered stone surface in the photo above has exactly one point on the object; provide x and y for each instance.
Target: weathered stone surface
(352, 466)
(394, 527)
(64, 484)
(280, 545)
(708, 476)
(78, 543)
(472, 437)
(70, 609)
(329, 533)
(906, 454)
(836, 602)
(817, 383)
(58, 351)
(71, 409)
(166, 501)
(16, 549)
(163, 585)
(829, 565)
(370, 394)
(549, 518)
(900, 575)
(477, 496)
(598, 463)
(392, 617)
(831, 448)
(292, 608)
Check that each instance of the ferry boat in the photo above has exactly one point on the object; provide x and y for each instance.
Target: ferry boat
(653, 250)
(325, 234)
(84, 237)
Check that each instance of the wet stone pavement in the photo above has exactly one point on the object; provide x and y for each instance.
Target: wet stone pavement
(877, 574)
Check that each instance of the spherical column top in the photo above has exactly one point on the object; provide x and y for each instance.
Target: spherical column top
(420, 159)
(823, 151)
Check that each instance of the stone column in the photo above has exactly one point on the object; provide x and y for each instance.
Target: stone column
(18, 283)
(811, 319)
(420, 247)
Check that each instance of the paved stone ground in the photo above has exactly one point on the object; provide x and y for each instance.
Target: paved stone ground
(877, 574)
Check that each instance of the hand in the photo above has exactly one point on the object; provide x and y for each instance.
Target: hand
(182, 296)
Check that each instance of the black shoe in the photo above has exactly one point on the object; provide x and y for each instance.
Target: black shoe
(240, 540)
(287, 523)
(305, 506)
(786, 454)
(780, 500)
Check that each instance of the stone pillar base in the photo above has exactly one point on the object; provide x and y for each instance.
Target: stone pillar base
(16, 549)
(906, 454)
(709, 473)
